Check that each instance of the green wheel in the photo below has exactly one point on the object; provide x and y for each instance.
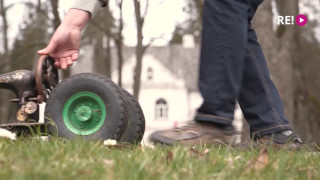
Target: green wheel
(87, 105)
(84, 113)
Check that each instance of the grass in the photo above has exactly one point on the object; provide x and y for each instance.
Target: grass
(30, 158)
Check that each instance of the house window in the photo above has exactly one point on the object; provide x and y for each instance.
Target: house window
(161, 111)
(149, 73)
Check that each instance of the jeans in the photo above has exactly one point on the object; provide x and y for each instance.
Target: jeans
(233, 68)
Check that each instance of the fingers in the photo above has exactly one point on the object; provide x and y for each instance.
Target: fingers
(63, 63)
(69, 61)
(75, 56)
(57, 64)
(60, 63)
(49, 49)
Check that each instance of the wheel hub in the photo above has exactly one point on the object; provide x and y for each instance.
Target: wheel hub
(84, 113)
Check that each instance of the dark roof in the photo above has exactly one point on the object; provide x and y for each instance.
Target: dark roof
(182, 62)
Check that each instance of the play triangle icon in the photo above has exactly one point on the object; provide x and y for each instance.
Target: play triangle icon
(301, 20)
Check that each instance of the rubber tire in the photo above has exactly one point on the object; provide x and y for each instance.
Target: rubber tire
(135, 129)
(116, 116)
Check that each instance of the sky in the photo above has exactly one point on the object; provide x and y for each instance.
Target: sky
(163, 15)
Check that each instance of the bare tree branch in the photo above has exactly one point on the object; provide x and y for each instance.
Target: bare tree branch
(145, 47)
(146, 9)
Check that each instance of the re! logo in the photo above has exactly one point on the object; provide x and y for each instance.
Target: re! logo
(300, 20)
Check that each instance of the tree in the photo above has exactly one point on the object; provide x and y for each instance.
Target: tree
(99, 34)
(112, 28)
(6, 53)
(5, 64)
(33, 35)
(118, 39)
(193, 23)
(56, 21)
(140, 47)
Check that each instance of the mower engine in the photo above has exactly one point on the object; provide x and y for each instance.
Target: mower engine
(31, 90)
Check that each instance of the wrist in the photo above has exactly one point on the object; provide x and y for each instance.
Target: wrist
(76, 18)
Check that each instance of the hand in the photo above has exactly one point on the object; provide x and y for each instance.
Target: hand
(65, 42)
(63, 47)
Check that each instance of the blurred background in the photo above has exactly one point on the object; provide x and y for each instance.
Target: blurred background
(151, 48)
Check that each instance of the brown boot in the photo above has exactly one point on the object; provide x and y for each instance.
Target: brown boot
(195, 133)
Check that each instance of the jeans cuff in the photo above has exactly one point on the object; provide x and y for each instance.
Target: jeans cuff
(213, 119)
(270, 130)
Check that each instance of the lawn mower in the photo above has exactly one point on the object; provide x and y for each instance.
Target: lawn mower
(84, 105)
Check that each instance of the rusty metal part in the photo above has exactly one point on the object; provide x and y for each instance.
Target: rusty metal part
(30, 107)
(15, 100)
(21, 83)
(37, 99)
(21, 115)
(46, 77)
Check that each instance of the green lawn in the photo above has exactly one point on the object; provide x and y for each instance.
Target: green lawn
(30, 158)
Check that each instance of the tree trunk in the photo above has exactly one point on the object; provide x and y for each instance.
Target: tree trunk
(6, 58)
(6, 66)
(39, 6)
(100, 35)
(108, 58)
(100, 60)
(120, 61)
(139, 49)
(56, 18)
(119, 44)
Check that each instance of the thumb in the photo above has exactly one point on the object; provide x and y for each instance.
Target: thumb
(48, 50)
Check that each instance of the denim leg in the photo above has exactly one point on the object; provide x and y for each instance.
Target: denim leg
(224, 38)
(259, 99)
